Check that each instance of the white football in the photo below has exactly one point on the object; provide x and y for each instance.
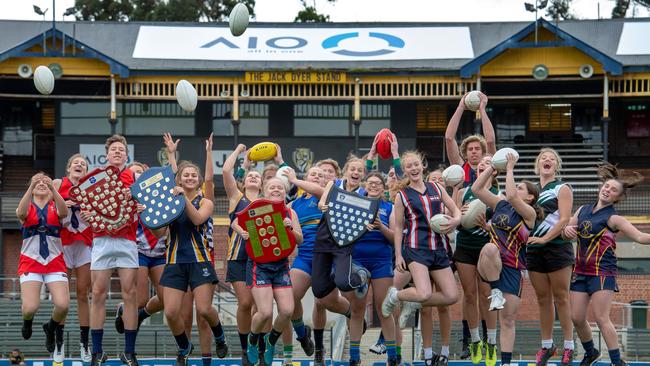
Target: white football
(436, 221)
(280, 174)
(499, 159)
(238, 19)
(474, 210)
(44, 80)
(186, 95)
(473, 100)
(453, 175)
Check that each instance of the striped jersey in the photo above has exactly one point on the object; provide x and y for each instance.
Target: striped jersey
(188, 243)
(236, 245)
(148, 244)
(42, 251)
(419, 208)
(548, 201)
(596, 251)
(470, 174)
(475, 237)
(309, 216)
(509, 232)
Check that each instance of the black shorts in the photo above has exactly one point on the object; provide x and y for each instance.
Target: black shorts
(466, 255)
(236, 270)
(549, 258)
(181, 275)
(274, 274)
(432, 259)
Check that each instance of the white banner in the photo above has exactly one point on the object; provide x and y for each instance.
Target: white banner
(634, 39)
(219, 158)
(304, 44)
(96, 154)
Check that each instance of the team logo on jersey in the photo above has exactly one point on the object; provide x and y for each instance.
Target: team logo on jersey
(585, 229)
(501, 221)
(348, 215)
(303, 158)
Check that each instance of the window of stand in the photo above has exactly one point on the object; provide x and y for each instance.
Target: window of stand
(133, 119)
(254, 118)
(336, 119)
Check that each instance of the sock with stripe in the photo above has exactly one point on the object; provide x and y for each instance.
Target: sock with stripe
(299, 328)
(399, 351)
(288, 353)
(206, 359)
(274, 336)
(355, 353)
(391, 349)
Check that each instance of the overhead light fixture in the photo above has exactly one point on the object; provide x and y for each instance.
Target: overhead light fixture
(69, 11)
(529, 7)
(244, 93)
(39, 11)
(224, 94)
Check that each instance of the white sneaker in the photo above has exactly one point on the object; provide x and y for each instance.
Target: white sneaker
(378, 348)
(84, 353)
(59, 354)
(496, 300)
(408, 308)
(389, 303)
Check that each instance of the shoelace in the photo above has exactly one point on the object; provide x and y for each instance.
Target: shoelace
(540, 353)
(566, 355)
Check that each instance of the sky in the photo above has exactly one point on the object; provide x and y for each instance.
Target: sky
(365, 10)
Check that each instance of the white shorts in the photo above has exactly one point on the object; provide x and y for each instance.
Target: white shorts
(44, 277)
(110, 253)
(76, 254)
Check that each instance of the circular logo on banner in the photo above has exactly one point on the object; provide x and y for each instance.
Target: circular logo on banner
(393, 44)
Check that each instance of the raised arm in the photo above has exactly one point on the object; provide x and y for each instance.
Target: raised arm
(453, 154)
(23, 206)
(524, 209)
(209, 170)
(312, 188)
(481, 190)
(229, 182)
(172, 147)
(617, 222)
(488, 129)
(61, 208)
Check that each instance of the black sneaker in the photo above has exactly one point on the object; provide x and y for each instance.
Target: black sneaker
(119, 321)
(27, 329)
(49, 337)
(620, 363)
(590, 358)
(306, 343)
(98, 359)
(392, 362)
(464, 354)
(184, 355)
(355, 362)
(319, 357)
(221, 347)
(442, 360)
(58, 336)
(431, 361)
(128, 359)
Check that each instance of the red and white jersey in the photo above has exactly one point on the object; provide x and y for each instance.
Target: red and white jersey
(148, 244)
(42, 251)
(74, 227)
(127, 232)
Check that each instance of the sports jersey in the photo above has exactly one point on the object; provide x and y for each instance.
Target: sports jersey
(548, 201)
(475, 237)
(419, 208)
(236, 249)
(596, 251)
(74, 228)
(309, 216)
(42, 251)
(373, 244)
(341, 184)
(470, 175)
(188, 243)
(148, 244)
(510, 233)
(128, 231)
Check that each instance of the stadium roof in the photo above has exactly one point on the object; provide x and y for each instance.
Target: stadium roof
(118, 44)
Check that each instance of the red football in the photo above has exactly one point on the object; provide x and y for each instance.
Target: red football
(384, 138)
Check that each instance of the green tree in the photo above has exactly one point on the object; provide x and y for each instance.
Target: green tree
(621, 7)
(560, 9)
(309, 13)
(158, 10)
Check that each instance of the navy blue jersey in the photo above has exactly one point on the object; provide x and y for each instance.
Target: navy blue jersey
(341, 184)
(470, 175)
(188, 243)
(509, 232)
(236, 249)
(373, 244)
(419, 208)
(596, 251)
(309, 216)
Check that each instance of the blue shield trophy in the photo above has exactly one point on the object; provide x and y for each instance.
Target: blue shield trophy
(348, 214)
(154, 190)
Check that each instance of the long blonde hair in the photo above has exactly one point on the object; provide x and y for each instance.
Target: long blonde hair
(404, 182)
(557, 157)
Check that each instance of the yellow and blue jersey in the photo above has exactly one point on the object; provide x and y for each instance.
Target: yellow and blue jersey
(236, 244)
(596, 251)
(509, 232)
(189, 243)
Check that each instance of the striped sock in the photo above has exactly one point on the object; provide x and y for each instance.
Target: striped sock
(355, 353)
(299, 327)
(399, 351)
(391, 349)
(206, 359)
(288, 353)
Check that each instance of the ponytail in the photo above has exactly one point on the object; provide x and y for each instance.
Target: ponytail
(607, 171)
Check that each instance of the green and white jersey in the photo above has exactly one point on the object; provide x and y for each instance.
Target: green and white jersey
(548, 201)
(476, 237)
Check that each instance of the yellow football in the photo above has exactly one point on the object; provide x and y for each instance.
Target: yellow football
(262, 152)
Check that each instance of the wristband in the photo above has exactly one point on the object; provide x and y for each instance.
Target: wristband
(283, 164)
